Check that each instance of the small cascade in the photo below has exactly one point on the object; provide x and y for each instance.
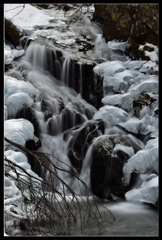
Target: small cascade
(58, 104)
(43, 59)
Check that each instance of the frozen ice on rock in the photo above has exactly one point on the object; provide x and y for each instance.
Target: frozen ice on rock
(116, 45)
(109, 68)
(128, 150)
(152, 65)
(111, 115)
(133, 65)
(17, 130)
(28, 18)
(60, 37)
(132, 125)
(16, 101)
(147, 124)
(12, 85)
(149, 85)
(16, 157)
(153, 54)
(10, 188)
(148, 192)
(10, 54)
(125, 100)
(144, 161)
(17, 93)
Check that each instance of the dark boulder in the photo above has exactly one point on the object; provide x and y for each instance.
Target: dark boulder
(107, 164)
(12, 33)
(80, 144)
(33, 144)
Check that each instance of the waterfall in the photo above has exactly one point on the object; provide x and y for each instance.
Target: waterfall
(58, 107)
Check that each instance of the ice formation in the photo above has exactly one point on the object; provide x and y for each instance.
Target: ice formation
(148, 192)
(128, 150)
(17, 130)
(111, 115)
(60, 38)
(114, 44)
(152, 65)
(17, 93)
(144, 161)
(10, 54)
(28, 18)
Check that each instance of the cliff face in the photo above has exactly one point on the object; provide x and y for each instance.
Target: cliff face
(139, 22)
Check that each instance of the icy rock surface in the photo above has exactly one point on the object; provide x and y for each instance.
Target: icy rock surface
(114, 44)
(60, 38)
(148, 192)
(111, 115)
(10, 54)
(128, 150)
(17, 93)
(28, 18)
(17, 130)
(144, 161)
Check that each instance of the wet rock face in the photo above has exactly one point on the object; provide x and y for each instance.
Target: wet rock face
(121, 21)
(81, 143)
(29, 114)
(92, 90)
(107, 165)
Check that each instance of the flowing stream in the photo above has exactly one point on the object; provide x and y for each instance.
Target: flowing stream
(57, 75)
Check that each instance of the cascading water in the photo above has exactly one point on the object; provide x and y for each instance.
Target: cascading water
(52, 96)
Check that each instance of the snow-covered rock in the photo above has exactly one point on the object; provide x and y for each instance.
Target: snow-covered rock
(27, 18)
(111, 115)
(10, 54)
(144, 161)
(17, 130)
(128, 150)
(148, 192)
(17, 93)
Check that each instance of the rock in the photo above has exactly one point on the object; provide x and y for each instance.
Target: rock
(41, 5)
(122, 21)
(29, 114)
(80, 144)
(33, 144)
(70, 118)
(92, 90)
(47, 115)
(133, 51)
(106, 167)
(12, 33)
(143, 99)
(51, 107)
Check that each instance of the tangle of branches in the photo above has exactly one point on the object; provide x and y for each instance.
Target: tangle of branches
(49, 204)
